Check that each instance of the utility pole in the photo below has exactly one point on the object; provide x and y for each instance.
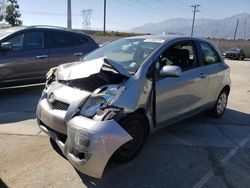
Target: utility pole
(245, 28)
(69, 23)
(235, 32)
(104, 19)
(194, 11)
(86, 17)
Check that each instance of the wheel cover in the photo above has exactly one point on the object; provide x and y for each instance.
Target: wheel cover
(221, 104)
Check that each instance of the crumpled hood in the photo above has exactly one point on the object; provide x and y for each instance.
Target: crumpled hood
(71, 71)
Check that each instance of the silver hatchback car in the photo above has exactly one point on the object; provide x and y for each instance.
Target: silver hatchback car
(107, 103)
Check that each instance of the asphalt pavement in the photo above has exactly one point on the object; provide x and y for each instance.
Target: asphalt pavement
(199, 152)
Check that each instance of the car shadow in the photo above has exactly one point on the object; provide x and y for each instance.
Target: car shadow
(19, 103)
(163, 163)
(56, 148)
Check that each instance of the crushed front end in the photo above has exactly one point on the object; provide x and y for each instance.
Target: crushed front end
(78, 113)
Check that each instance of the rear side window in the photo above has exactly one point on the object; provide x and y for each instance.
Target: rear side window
(80, 39)
(210, 56)
(66, 40)
(28, 41)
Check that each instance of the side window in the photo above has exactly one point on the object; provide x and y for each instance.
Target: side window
(28, 41)
(181, 54)
(66, 40)
(80, 39)
(210, 56)
(17, 42)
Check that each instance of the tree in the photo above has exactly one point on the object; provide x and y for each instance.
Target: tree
(1, 17)
(12, 13)
(2, 3)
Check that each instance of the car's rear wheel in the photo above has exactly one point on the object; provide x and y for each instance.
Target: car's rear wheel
(220, 105)
(136, 126)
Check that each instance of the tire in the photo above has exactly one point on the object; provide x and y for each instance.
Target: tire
(136, 125)
(220, 105)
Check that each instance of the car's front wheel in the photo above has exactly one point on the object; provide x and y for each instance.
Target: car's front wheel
(136, 126)
(220, 105)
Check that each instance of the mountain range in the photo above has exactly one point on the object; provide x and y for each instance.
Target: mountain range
(223, 28)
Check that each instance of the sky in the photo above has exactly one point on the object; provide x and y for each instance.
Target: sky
(123, 15)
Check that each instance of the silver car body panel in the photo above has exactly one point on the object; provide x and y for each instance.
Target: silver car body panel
(175, 98)
(81, 69)
(104, 138)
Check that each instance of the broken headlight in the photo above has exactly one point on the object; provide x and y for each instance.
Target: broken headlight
(101, 99)
(51, 76)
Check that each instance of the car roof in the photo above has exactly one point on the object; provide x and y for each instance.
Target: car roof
(57, 28)
(49, 27)
(162, 37)
(166, 37)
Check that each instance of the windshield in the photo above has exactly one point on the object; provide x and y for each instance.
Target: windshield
(7, 31)
(129, 53)
(2, 34)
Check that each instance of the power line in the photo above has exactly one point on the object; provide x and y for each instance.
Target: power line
(45, 13)
(152, 8)
(194, 11)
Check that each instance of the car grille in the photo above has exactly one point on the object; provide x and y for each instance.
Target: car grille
(58, 105)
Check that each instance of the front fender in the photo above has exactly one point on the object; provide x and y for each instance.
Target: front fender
(90, 143)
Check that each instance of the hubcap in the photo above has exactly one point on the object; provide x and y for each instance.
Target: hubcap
(221, 104)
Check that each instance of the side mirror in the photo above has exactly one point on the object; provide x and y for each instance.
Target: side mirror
(6, 46)
(171, 71)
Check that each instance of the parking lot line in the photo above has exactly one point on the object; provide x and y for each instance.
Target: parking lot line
(227, 157)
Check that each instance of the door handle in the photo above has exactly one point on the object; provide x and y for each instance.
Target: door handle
(42, 56)
(78, 54)
(203, 75)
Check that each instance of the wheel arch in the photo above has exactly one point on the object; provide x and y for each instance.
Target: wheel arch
(227, 88)
(142, 112)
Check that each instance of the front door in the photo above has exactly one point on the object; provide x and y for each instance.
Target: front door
(179, 96)
(27, 59)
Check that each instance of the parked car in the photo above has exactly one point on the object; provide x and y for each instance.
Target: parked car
(109, 102)
(234, 53)
(27, 53)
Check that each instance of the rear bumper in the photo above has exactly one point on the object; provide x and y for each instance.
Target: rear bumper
(89, 143)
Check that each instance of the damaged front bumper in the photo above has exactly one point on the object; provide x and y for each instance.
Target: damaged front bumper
(89, 144)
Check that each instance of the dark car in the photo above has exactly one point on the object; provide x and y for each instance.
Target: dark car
(234, 53)
(27, 53)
